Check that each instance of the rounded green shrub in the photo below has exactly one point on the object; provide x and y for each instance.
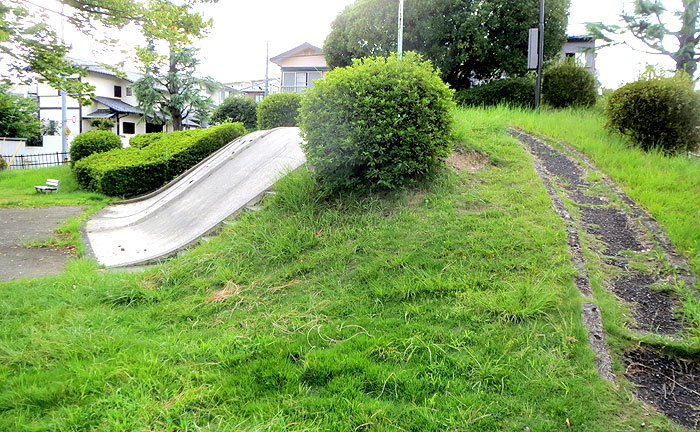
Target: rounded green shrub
(95, 141)
(237, 109)
(657, 113)
(102, 124)
(517, 92)
(3, 163)
(279, 109)
(568, 84)
(377, 124)
(144, 140)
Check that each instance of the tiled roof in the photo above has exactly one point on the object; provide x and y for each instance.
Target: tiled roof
(117, 105)
(100, 113)
(293, 51)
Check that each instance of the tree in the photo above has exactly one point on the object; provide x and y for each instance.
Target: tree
(30, 48)
(648, 26)
(18, 117)
(169, 91)
(466, 39)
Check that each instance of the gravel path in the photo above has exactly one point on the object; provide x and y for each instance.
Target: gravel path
(19, 226)
(620, 232)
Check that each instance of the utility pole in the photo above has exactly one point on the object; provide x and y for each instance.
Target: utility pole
(400, 38)
(64, 113)
(540, 57)
(267, 70)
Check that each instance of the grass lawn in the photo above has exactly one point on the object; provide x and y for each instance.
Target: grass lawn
(17, 189)
(668, 187)
(448, 307)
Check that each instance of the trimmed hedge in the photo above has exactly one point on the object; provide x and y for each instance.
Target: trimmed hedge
(657, 113)
(237, 109)
(144, 140)
(94, 141)
(569, 85)
(279, 109)
(132, 171)
(516, 92)
(378, 124)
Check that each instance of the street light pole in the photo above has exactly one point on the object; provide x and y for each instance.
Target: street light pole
(64, 111)
(400, 47)
(540, 57)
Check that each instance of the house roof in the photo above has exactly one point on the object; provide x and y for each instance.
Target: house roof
(100, 113)
(305, 68)
(292, 52)
(117, 105)
(579, 38)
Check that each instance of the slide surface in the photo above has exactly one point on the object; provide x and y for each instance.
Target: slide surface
(157, 225)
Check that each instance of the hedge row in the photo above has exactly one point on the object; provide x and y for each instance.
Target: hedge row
(144, 140)
(516, 92)
(133, 171)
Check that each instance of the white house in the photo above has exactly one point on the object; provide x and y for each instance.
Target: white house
(581, 48)
(114, 100)
(301, 66)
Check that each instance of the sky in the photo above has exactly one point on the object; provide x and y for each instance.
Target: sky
(235, 49)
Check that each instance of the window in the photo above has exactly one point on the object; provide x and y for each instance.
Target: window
(129, 128)
(258, 98)
(313, 76)
(223, 94)
(118, 91)
(128, 91)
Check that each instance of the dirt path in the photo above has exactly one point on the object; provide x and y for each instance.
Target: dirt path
(19, 226)
(640, 263)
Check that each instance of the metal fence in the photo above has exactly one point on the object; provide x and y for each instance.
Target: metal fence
(36, 160)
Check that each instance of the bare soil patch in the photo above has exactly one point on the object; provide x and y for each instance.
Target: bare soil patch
(671, 385)
(612, 227)
(652, 310)
(463, 160)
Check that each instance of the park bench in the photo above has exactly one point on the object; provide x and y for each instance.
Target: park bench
(51, 186)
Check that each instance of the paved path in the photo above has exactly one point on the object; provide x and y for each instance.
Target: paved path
(158, 225)
(22, 225)
(637, 258)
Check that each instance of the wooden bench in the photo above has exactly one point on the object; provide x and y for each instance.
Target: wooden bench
(52, 185)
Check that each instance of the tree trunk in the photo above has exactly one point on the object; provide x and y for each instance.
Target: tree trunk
(686, 57)
(175, 113)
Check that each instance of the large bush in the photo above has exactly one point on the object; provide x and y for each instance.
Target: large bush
(237, 109)
(377, 124)
(279, 109)
(91, 142)
(657, 113)
(144, 140)
(517, 92)
(568, 84)
(133, 171)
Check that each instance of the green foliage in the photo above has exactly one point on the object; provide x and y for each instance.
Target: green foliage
(279, 109)
(568, 84)
(170, 90)
(237, 109)
(32, 48)
(652, 24)
(91, 142)
(516, 92)
(377, 124)
(3, 163)
(133, 171)
(102, 124)
(464, 39)
(657, 113)
(144, 140)
(18, 115)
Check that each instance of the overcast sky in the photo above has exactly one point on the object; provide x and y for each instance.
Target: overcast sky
(235, 47)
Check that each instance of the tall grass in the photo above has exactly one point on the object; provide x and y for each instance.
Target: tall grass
(668, 187)
(447, 307)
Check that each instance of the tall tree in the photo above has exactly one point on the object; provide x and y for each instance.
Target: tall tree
(30, 48)
(170, 91)
(18, 117)
(466, 39)
(650, 24)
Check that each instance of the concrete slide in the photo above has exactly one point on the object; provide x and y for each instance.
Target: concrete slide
(157, 225)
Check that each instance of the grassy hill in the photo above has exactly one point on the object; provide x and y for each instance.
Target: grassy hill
(451, 306)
